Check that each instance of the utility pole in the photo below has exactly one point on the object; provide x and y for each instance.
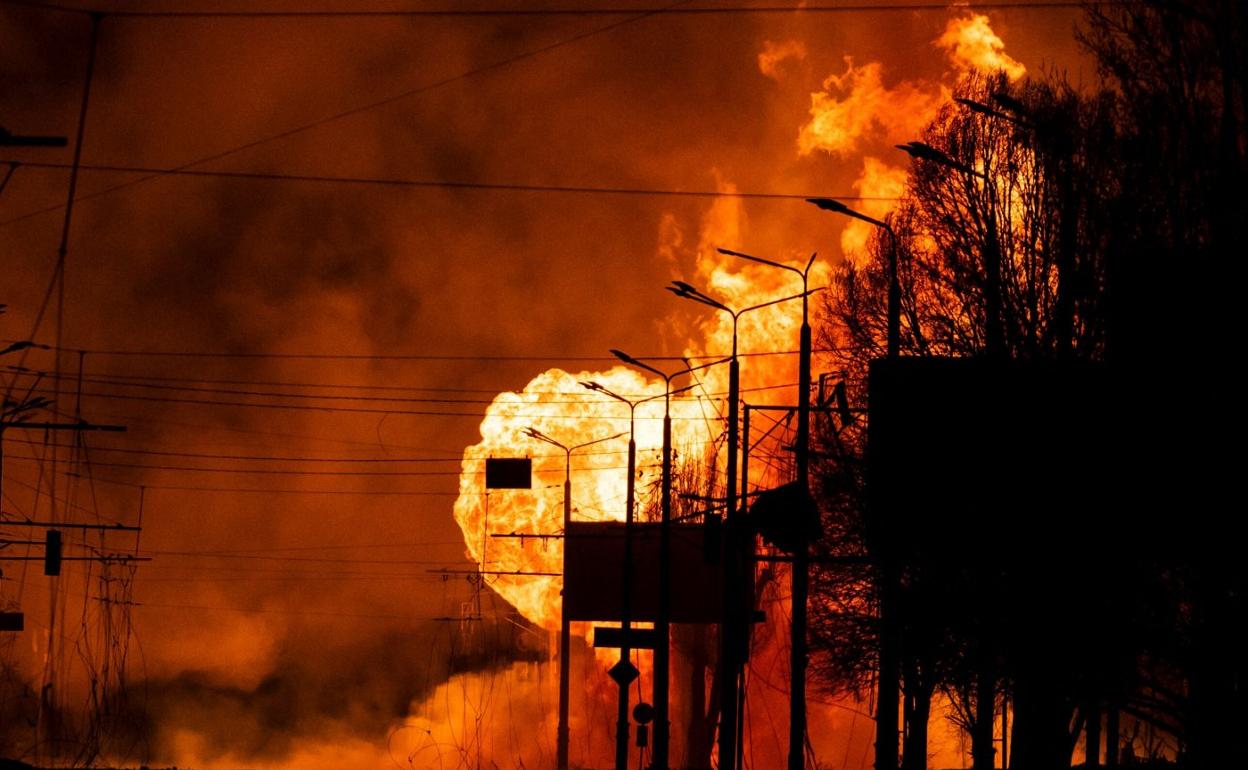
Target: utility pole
(801, 554)
(662, 625)
(733, 624)
(562, 734)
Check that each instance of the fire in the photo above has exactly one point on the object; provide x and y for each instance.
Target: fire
(557, 405)
(854, 110)
(880, 185)
(971, 44)
(856, 107)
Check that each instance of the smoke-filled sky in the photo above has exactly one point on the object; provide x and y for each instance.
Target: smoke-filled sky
(462, 221)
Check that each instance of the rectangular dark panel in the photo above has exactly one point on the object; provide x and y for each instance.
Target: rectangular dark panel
(508, 473)
(12, 621)
(594, 589)
(639, 638)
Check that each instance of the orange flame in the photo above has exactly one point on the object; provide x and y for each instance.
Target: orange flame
(557, 405)
(971, 44)
(856, 107)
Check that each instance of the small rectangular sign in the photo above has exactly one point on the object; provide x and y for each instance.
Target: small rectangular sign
(508, 473)
(594, 565)
(638, 638)
(12, 621)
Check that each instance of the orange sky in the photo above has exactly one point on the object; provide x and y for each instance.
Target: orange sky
(502, 284)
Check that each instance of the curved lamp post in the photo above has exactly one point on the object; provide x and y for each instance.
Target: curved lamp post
(626, 605)
(565, 626)
(894, 283)
(801, 555)
(662, 626)
(994, 331)
(732, 638)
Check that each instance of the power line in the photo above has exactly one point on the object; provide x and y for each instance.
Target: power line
(431, 86)
(146, 380)
(304, 472)
(327, 547)
(556, 357)
(555, 12)
(264, 491)
(276, 611)
(332, 409)
(340, 409)
(432, 184)
(257, 557)
(269, 458)
(459, 458)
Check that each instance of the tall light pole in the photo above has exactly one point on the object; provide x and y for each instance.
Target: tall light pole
(626, 605)
(994, 329)
(888, 688)
(565, 626)
(662, 625)
(801, 554)
(894, 282)
(732, 637)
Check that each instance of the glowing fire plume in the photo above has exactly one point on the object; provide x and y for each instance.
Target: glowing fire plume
(557, 405)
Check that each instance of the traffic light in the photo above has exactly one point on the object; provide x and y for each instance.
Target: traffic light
(52, 553)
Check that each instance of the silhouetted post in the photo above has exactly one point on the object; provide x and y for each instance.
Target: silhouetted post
(732, 627)
(801, 564)
(994, 330)
(626, 605)
(801, 553)
(1112, 737)
(662, 625)
(1092, 734)
(888, 689)
(747, 553)
(1005, 732)
(565, 625)
(985, 695)
(565, 631)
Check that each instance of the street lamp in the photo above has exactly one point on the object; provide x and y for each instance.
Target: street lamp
(626, 606)
(801, 555)
(662, 626)
(921, 151)
(894, 283)
(730, 637)
(994, 332)
(565, 626)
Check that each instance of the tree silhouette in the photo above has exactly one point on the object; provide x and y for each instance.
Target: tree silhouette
(1007, 227)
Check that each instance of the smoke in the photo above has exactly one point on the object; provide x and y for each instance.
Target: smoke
(774, 55)
(298, 627)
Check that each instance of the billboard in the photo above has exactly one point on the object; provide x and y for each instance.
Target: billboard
(594, 564)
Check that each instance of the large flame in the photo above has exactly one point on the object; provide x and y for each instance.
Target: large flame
(855, 107)
(555, 404)
(854, 111)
